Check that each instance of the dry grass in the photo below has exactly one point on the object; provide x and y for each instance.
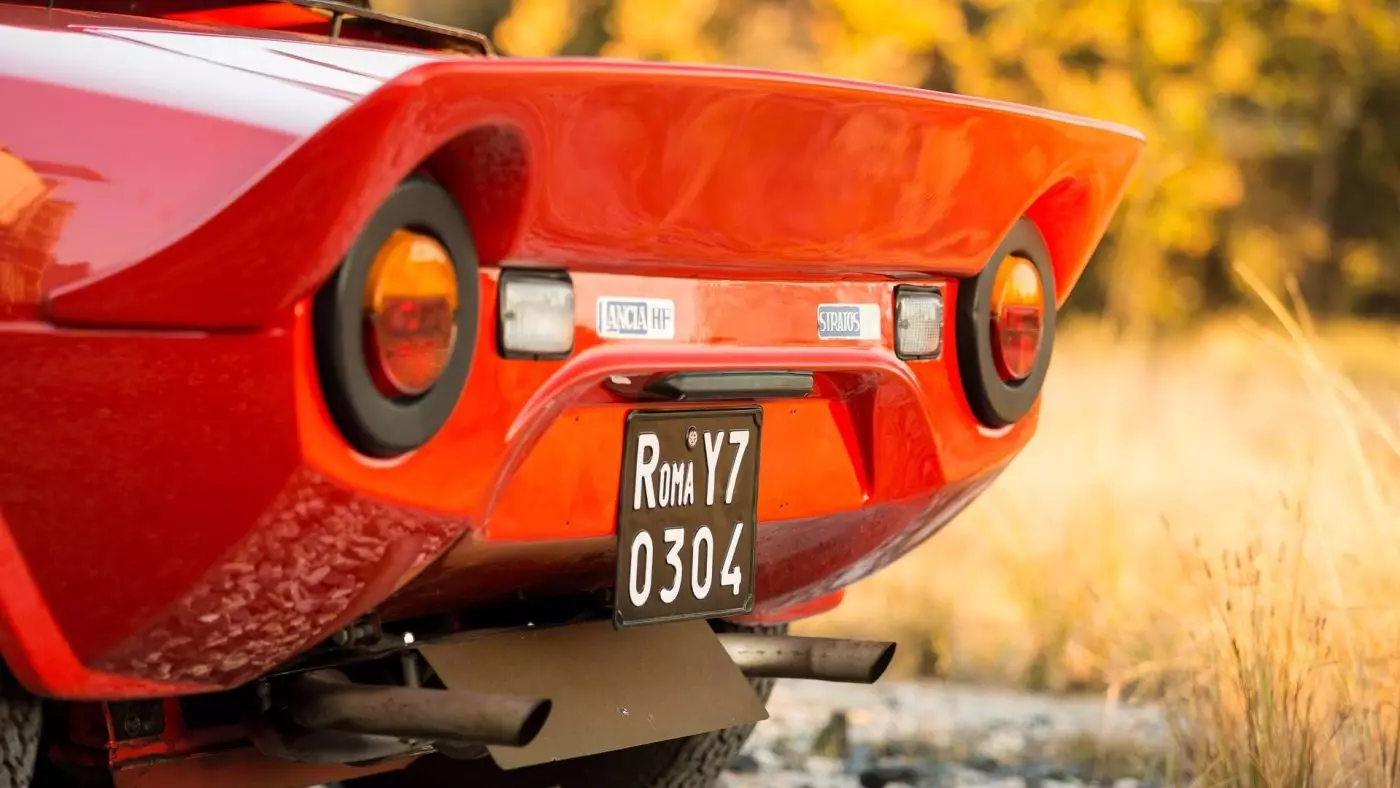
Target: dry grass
(1214, 520)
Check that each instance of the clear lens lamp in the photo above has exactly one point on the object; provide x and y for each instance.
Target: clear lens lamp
(918, 322)
(536, 315)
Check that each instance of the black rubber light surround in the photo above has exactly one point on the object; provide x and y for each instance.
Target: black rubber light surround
(374, 423)
(996, 402)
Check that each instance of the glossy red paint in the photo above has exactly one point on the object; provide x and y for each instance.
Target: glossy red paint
(262, 16)
(783, 615)
(709, 172)
(177, 506)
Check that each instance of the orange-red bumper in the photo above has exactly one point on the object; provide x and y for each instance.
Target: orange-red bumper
(184, 514)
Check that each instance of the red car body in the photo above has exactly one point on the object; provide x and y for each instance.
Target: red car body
(178, 511)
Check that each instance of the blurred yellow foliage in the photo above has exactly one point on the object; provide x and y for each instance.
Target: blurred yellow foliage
(1174, 32)
(669, 30)
(1263, 253)
(1362, 264)
(1235, 62)
(1229, 95)
(537, 27)
(912, 24)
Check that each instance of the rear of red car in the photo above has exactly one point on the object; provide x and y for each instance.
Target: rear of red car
(321, 350)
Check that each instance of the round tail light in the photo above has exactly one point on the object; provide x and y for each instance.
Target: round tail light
(1005, 329)
(395, 325)
(1018, 318)
(410, 314)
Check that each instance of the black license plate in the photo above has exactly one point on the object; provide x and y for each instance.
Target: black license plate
(685, 522)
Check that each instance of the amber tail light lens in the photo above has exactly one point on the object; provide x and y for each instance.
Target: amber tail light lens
(395, 326)
(410, 310)
(1018, 318)
(1005, 327)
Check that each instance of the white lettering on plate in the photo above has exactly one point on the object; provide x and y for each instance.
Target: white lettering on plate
(636, 318)
(707, 561)
(661, 484)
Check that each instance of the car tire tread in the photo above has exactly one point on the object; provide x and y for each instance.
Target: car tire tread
(20, 718)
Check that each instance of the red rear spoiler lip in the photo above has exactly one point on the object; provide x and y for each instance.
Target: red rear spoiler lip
(797, 82)
(641, 168)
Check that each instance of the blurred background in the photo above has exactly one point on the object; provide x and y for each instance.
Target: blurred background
(1208, 517)
(1274, 126)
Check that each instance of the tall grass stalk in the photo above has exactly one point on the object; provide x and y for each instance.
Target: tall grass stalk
(1264, 614)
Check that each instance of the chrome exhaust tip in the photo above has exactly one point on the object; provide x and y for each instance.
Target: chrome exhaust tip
(322, 717)
(325, 700)
(820, 659)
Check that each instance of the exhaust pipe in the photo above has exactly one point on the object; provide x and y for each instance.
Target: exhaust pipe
(325, 700)
(822, 659)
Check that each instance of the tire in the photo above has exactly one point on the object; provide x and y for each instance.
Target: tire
(691, 762)
(20, 717)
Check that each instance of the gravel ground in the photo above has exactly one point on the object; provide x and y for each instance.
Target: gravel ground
(941, 736)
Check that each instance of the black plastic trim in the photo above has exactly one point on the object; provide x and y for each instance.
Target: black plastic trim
(511, 274)
(374, 424)
(730, 385)
(136, 719)
(996, 402)
(430, 34)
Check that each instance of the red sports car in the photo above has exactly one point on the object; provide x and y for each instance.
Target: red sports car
(377, 407)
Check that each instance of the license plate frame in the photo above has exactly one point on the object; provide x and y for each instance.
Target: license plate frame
(685, 440)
